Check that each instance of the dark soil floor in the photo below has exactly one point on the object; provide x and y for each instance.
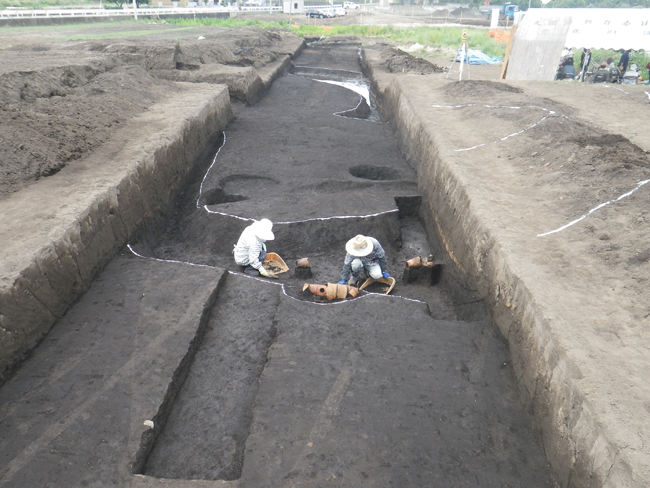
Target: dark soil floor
(291, 390)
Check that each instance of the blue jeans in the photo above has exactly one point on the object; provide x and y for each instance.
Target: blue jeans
(371, 269)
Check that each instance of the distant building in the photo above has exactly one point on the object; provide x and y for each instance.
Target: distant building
(293, 6)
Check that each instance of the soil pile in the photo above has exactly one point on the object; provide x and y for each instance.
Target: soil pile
(41, 133)
(398, 61)
(58, 103)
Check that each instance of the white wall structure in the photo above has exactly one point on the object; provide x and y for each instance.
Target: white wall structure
(293, 6)
(542, 34)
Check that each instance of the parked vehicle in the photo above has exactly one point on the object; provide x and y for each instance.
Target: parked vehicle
(315, 14)
(487, 9)
(506, 11)
(339, 11)
(351, 5)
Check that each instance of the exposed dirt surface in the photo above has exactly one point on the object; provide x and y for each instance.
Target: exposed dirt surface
(60, 101)
(302, 392)
(51, 125)
(286, 386)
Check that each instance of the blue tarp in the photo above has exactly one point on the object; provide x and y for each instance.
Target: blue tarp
(479, 57)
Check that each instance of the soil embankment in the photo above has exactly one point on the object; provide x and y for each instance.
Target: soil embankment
(529, 206)
(99, 144)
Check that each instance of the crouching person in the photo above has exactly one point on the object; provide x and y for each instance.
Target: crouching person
(250, 250)
(364, 258)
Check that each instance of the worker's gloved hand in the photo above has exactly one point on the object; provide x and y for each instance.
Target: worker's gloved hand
(385, 275)
(342, 282)
(263, 272)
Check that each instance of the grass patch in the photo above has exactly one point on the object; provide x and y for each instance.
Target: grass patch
(640, 58)
(114, 35)
(444, 37)
(230, 22)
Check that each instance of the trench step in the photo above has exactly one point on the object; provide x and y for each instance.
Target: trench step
(75, 409)
(208, 424)
(374, 392)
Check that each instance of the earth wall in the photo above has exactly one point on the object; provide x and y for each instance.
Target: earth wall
(123, 187)
(582, 446)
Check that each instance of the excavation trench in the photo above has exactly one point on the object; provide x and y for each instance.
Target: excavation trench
(413, 388)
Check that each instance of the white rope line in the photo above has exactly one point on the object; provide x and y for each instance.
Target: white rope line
(304, 220)
(284, 291)
(277, 223)
(358, 88)
(508, 136)
(170, 260)
(647, 93)
(624, 195)
(617, 88)
(340, 114)
(550, 113)
(208, 171)
(363, 295)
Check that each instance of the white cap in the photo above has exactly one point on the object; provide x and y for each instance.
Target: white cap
(263, 229)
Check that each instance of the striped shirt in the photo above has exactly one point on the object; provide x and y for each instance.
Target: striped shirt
(248, 249)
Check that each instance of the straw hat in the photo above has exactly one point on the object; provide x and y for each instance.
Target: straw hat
(359, 246)
(263, 230)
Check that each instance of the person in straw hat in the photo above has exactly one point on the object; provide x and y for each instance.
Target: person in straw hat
(365, 257)
(250, 250)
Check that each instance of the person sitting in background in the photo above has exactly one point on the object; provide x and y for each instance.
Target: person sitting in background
(647, 66)
(601, 74)
(610, 64)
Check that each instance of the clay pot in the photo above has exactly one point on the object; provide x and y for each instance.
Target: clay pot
(414, 262)
(331, 291)
(318, 290)
(341, 291)
(303, 263)
(354, 292)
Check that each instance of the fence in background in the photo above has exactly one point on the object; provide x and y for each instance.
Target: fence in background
(56, 13)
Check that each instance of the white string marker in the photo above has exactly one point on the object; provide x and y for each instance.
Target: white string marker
(624, 195)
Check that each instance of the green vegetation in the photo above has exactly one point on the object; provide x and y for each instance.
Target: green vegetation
(640, 58)
(443, 37)
(230, 22)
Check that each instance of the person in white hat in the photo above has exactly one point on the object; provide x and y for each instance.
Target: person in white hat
(365, 257)
(250, 249)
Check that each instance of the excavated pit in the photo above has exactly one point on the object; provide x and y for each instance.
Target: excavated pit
(239, 403)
